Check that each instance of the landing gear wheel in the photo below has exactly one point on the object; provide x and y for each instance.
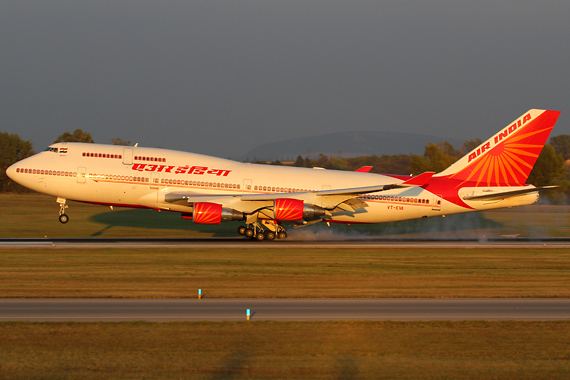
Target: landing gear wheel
(260, 236)
(270, 235)
(63, 218)
(248, 232)
(281, 235)
(241, 230)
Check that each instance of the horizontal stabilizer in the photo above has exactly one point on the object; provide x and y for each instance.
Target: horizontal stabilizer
(505, 194)
(419, 180)
(364, 169)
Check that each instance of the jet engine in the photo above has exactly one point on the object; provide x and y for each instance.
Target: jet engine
(214, 213)
(287, 209)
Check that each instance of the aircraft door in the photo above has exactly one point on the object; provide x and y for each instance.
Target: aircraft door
(154, 180)
(436, 206)
(128, 156)
(81, 175)
(247, 186)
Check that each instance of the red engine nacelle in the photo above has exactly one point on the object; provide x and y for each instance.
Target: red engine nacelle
(288, 209)
(214, 213)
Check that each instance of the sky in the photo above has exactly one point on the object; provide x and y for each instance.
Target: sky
(222, 77)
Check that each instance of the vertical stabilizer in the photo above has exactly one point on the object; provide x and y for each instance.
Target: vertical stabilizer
(507, 158)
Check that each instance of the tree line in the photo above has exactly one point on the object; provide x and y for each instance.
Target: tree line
(551, 167)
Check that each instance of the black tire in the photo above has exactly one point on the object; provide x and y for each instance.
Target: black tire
(281, 235)
(63, 218)
(260, 236)
(248, 232)
(269, 235)
(241, 230)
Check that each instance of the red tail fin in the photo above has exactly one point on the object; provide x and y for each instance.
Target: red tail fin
(507, 158)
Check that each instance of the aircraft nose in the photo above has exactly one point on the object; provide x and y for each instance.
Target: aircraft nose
(11, 172)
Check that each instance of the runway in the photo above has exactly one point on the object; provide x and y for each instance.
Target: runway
(340, 242)
(166, 310)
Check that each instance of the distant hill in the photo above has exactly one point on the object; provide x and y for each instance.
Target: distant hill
(346, 145)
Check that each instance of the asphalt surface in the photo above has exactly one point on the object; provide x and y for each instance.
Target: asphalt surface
(107, 310)
(283, 309)
(341, 242)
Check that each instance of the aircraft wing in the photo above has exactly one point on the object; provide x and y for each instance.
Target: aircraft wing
(505, 194)
(327, 198)
(419, 180)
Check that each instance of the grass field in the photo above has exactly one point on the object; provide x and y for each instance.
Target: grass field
(284, 350)
(284, 273)
(266, 272)
(35, 216)
(269, 350)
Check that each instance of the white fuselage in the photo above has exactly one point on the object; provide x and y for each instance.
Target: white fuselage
(142, 177)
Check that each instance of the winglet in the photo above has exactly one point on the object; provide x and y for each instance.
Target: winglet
(364, 169)
(418, 180)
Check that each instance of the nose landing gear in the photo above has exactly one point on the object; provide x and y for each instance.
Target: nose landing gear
(63, 217)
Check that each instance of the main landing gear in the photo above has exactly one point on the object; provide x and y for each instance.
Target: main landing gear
(63, 217)
(257, 232)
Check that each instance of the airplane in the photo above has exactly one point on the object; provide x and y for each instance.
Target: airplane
(211, 190)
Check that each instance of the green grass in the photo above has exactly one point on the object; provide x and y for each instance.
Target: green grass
(35, 216)
(290, 350)
(284, 350)
(284, 273)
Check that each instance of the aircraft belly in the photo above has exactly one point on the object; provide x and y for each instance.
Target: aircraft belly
(382, 212)
(102, 192)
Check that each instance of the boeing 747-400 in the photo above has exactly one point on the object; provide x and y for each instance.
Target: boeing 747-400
(210, 190)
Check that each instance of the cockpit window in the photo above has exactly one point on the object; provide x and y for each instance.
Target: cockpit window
(49, 149)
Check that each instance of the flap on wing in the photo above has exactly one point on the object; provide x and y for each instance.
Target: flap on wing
(350, 205)
(505, 194)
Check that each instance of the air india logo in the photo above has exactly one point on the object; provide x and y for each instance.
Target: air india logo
(508, 158)
(207, 213)
(288, 209)
(498, 138)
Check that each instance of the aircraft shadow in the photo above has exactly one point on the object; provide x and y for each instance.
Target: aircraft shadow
(152, 219)
(452, 226)
(459, 225)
